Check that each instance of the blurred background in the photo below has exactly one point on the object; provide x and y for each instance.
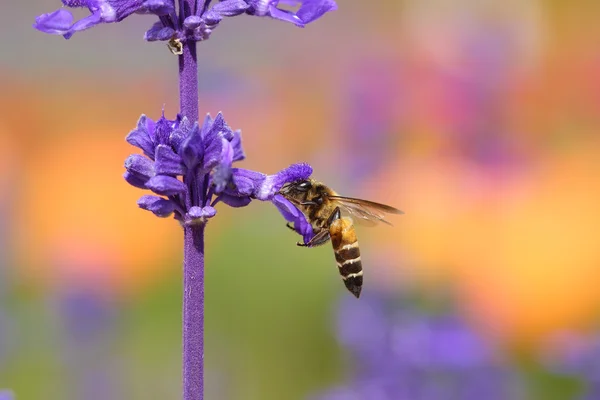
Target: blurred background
(479, 119)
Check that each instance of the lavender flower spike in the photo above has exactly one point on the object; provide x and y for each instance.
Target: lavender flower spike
(187, 165)
(189, 168)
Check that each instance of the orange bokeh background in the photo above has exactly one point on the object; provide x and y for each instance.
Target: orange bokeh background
(517, 241)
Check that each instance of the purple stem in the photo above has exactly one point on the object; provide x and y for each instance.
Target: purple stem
(193, 259)
(193, 313)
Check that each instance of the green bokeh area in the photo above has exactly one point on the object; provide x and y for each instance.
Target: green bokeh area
(269, 326)
(270, 329)
(269, 312)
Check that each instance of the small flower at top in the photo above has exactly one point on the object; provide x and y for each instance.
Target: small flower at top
(203, 157)
(195, 25)
(60, 22)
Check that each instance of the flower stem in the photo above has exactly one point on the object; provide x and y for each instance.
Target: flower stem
(193, 259)
(193, 313)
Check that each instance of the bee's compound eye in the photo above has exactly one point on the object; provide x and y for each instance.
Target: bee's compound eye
(303, 186)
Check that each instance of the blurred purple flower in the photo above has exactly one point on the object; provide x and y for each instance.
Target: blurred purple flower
(195, 25)
(476, 100)
(6, 395)
(373, 104)
(85, 315)
(203, 157)
(89, 321)
(402, 354)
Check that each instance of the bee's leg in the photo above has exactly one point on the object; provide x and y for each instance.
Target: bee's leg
(309, 203)
(336, 214)
(320, 238)
(289, 225)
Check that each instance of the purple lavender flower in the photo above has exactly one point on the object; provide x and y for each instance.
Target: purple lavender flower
(6, 395)
(403, 354)
(198, 23)
(202, 156)
(89, 320)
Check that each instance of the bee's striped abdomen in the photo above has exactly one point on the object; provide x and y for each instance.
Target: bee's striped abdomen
(347, 254)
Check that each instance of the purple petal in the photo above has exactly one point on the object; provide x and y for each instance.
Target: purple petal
(167, 161)
(117, 10)
(55, 23)
(201, 212)
(159, 206)
(206, 124)
(157, 7)
(135, 180)
(211, 17)
(230, 8)
(159, 32)
(192, 22)
(164, 128)
(213, 151)
(259, 7)
(292, 214)
(309, 10)
(140, 137)
(246, 182)
(192, 148)
(236, 143)
(140, 166)
(182, 130)
(219, 128)
(234, 201)
(271, 185)
(221, 176)
(85, 23)
(166, 185)
(285, 16)
(314, 9)
(222, 172)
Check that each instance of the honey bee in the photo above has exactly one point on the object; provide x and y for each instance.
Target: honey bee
(323, 208)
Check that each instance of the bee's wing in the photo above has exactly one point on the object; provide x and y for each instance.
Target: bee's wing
(365, 212)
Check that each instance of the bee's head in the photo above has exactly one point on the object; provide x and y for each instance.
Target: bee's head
(297, 190)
